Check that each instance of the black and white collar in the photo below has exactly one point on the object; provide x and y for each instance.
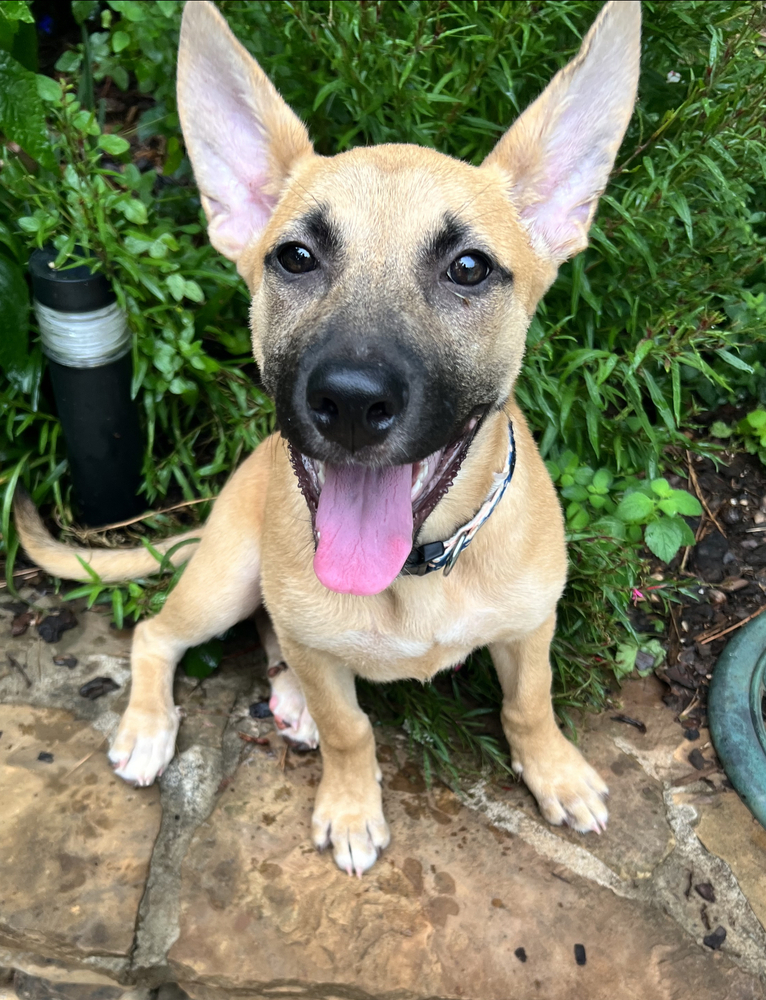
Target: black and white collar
(433, 556)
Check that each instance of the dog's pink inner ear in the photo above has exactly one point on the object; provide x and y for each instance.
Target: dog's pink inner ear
(241, 137)
(232, 171)
(559, 153)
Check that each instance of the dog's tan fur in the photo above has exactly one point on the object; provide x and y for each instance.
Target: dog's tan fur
(257, 544)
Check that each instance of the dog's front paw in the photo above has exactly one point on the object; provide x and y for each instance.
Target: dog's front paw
(567, 789)
(288, 706)
(354, 825)
(144, 745)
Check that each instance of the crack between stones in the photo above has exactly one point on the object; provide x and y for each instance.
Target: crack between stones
(189, 791)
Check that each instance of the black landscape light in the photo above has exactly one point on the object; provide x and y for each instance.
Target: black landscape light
(86, 339)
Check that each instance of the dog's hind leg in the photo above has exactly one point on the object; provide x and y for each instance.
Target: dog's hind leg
(567, 788)
(220, 587)
(287, 701)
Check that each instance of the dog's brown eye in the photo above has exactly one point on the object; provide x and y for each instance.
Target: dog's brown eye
(296, 258)
(468, 269)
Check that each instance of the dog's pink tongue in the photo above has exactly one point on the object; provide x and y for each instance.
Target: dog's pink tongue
(364, 523)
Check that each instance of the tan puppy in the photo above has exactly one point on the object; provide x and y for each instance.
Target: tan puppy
(392, 288)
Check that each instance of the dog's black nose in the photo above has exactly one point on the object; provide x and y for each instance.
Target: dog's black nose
(355, 404)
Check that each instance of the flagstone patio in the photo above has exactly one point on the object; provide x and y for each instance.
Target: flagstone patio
(208, 883)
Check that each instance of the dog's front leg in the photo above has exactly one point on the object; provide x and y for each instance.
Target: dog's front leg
(220, 586)
(567, 788)
(348, 811)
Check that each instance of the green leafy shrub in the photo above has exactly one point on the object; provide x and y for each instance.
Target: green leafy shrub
(664, 314)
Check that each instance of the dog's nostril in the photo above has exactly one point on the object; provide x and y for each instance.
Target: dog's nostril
(325, 407)
(379, 413)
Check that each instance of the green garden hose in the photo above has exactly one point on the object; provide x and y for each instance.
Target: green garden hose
(735, 712)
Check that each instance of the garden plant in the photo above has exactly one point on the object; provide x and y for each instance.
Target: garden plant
(661, 320)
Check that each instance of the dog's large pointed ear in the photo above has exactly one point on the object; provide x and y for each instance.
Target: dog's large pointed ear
(559, 152)
(242, 139)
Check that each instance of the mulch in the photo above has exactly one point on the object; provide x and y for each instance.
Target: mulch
(722, 579)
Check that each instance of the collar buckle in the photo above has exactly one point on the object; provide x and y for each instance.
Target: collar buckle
(455, 551)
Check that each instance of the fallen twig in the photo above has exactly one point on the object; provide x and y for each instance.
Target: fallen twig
(704, 638)
(17, 666)
(261, 741)
(21, 573)
(700, 497)
(150, 514)
(86, 757)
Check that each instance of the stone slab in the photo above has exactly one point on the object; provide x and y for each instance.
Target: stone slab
(75, 841)
(728, 829)
(441, 915)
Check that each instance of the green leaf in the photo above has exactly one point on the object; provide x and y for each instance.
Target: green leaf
(578, 521)
(14, 316)
(664, 537)
(176, 286)
(720, 429)
(114, 145)
(48, 89)
(201, 661)
(134, 210)
(83, 9)
(193, 291)
(685, 503)
(756, 419)
(734, 361)
(635, 508)
(16, 10)
(120, 41)
(602, 480)
(22, 117)
(575, 492)
(625, 659)
(661, 487)
(118, 609)
(68, 61)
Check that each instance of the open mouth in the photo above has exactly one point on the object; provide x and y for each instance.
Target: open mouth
(365, 520)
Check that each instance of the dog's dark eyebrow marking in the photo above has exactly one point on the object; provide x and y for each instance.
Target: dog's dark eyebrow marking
(451, 237)
(324, 233)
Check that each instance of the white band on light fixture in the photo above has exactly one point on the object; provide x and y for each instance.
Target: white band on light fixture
(83, 339)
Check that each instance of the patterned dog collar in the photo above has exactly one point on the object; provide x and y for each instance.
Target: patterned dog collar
(443, 555)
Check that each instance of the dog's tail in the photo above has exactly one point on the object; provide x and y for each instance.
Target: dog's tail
(111, 565)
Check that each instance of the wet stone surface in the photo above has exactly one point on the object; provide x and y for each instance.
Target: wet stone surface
(210, 879)
(75, 842)
(444, 913)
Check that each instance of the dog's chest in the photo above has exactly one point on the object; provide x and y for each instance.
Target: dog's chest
(414, 641)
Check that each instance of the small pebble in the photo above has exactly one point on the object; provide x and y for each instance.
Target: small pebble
(716, 939)
(98, 687)
(45, 757)
(706, 890)
(260, 710)
(697, 761)
(65, 661)
(520, 954)
(579, 952)
(691, 734)
(51, 628)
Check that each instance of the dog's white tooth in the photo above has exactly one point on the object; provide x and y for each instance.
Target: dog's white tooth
(422, 475)
(319, 535)
(320, 467)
